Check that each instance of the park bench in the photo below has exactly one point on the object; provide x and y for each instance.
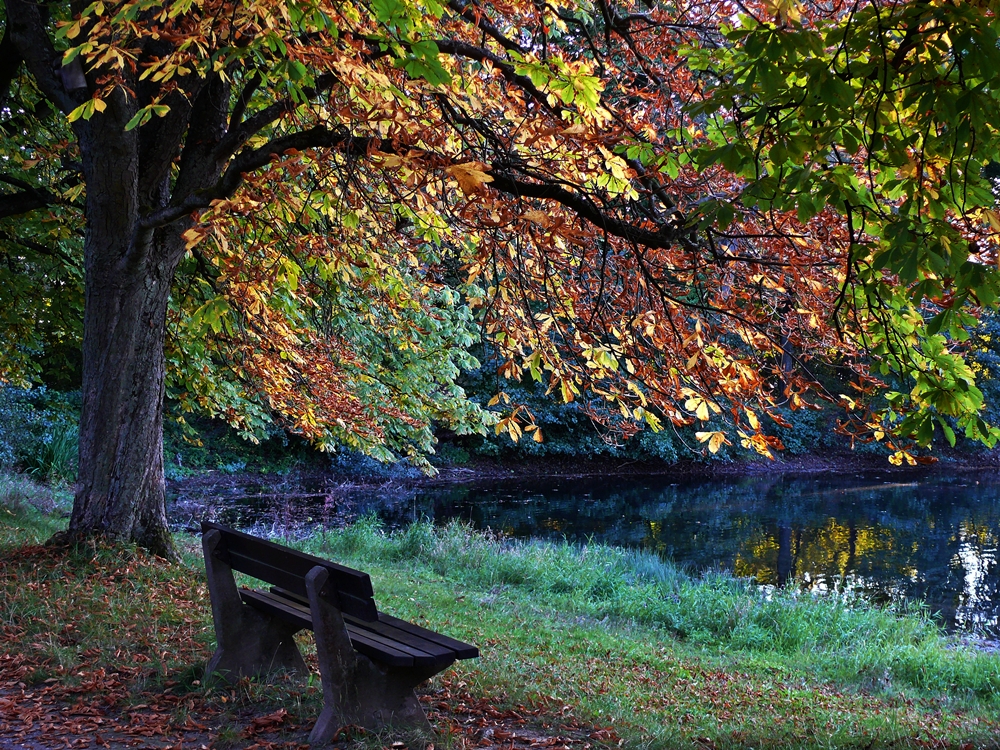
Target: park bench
(369, 662)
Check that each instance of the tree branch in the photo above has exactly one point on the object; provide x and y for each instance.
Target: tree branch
(39, 248)
(239, 109)
(10, 62)
(240, 132)
(249, 161)
(28, 199)
(665, 237)
(27, 31)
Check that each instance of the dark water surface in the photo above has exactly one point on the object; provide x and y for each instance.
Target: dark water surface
(933, 538)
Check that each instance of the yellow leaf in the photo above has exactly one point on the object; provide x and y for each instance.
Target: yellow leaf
(537, 437)
(471, 176)
(514, 430)
(567, 391)
(752, 418)
(702, 412)
(716, 442)
(192, 237)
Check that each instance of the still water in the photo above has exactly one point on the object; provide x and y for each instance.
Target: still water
(931, 538)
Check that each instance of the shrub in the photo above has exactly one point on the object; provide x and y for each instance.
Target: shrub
(39, 432)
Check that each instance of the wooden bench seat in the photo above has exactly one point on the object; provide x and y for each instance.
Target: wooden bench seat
(369, 661)
(388, 639)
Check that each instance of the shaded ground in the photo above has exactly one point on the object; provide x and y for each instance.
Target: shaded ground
(51, 717)
(108, 652)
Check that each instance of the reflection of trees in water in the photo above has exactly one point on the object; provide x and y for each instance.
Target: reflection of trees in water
(936, 540)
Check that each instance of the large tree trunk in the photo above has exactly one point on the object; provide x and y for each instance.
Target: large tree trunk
(129, 267)
(120, 491)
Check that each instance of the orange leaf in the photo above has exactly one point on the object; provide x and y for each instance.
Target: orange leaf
(471, 176)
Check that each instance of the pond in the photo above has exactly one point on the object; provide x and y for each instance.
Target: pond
(931, 538)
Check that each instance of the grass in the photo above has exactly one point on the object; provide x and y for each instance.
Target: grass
(614, 645)
(29, 510)
(625, 639)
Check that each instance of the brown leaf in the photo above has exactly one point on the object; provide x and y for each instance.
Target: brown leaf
(540, 218)
(268, 723)
(471, 176)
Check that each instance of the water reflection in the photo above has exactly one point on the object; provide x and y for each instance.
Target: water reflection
(933, 540)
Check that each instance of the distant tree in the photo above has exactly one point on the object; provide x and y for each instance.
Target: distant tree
(673, 207)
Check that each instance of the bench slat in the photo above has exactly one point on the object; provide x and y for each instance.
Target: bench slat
(440, 654)
(364, 642)
(286, 610)
(363, 609)
(348, 589)
(462, 650)
(425, 650)
(350, 580)
(407, 632)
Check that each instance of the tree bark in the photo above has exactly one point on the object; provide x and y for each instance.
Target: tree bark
(120, 491)
(129, 266)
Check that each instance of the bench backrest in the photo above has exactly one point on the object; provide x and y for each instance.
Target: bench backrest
(348, 589)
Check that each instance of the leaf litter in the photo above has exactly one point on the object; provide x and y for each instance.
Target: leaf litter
(105, 650)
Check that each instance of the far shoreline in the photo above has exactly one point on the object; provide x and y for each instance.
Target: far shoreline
(484, 470)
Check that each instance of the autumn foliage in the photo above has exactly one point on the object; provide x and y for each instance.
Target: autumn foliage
(673, 212)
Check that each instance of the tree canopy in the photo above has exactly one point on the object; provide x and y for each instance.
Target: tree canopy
(673, 211)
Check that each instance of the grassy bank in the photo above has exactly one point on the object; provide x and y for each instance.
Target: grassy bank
(586, 645)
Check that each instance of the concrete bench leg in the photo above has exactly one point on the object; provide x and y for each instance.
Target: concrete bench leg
(356, 690)
(249, 642)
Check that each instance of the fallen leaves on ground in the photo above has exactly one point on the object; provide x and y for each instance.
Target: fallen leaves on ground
(480, 723)
(93, 654)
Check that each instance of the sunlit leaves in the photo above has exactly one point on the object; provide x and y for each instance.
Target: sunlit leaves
(714, 439)
(689, 213)
(860, 114)
(87, 110)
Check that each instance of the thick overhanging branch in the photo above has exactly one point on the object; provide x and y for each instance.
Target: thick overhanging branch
(27, 32)
(503, 181)
(252, 160)
(27, 199)
(661, 238)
